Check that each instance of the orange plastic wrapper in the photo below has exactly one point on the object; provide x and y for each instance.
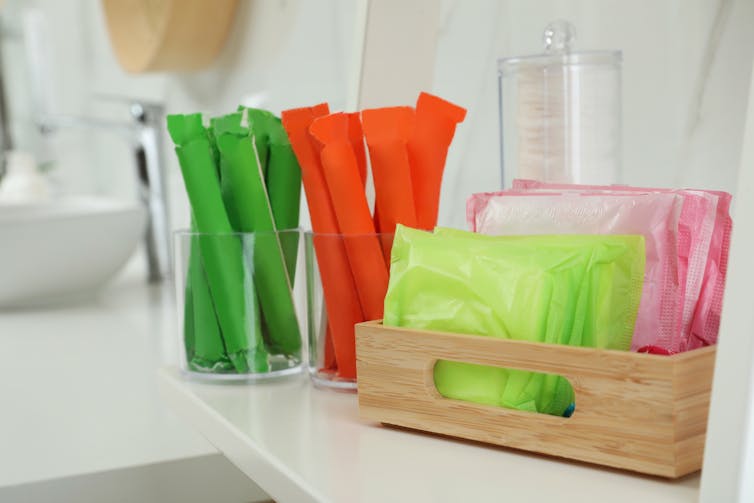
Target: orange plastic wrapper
(341, 297)
(330, 364)
(345, 185)
(356, 138)
(387, 131)
(434, 127)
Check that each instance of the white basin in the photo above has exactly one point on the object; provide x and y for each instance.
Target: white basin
(57, 250)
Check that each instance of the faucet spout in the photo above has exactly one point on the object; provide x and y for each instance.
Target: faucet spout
(145, 133)
(150, 168)
(6, 142)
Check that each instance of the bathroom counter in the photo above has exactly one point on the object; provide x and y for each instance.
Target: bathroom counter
(78, 386)
(303, 444)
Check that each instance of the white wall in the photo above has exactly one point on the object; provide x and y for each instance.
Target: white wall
(685, 83)
(686, 68)
(729, 453)
(293, 52)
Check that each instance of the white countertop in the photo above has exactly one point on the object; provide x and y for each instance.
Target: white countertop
(78, 386)
(79, 395)
(303, 444)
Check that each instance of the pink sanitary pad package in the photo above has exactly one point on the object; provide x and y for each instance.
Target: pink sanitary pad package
(706, 323)
(703, 239)
(655, 216)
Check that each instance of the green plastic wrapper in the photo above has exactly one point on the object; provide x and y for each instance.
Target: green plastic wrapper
(261, 124)
(241, 167)
(207, 351)
(565, 289)
(213, 147)
(225, 181)
(282, 176)
(237, 209)
(206, 346)
(188, 318)
(221, 258)
(284, 188)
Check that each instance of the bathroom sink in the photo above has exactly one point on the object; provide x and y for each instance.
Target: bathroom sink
(58, 250)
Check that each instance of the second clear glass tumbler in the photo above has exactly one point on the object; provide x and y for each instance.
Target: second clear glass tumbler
(347, 278)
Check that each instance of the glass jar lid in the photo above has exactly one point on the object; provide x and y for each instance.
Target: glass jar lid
(558, 37)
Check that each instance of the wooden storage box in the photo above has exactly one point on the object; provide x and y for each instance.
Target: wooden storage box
(640, 412)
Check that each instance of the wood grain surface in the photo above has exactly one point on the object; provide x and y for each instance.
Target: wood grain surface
(640, 412)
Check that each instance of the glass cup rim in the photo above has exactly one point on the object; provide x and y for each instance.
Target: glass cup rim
(311, 233)
(188, 232)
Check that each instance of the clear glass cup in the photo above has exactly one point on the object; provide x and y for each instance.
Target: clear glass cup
(239, 296)
(346, 279)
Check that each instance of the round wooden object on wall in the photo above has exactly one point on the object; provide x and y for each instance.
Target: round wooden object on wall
(168, 35)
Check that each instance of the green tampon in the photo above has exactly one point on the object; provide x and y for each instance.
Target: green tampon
(284, 189)
(233, 203)
(213, 147)
(260, 124)
(221, 253)
(210, 354)
(188, 318)
(225, 187)
(255, 215)
(205, 349)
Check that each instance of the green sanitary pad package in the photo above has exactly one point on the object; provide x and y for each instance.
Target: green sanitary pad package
(578, 290)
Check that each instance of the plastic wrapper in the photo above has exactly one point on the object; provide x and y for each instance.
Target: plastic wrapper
(241, 165)
(706, 324)
(704, 228)
(407, 148)
(342, 299)
(580, 290)
(343, 176)
(655, 216)
(238, 311)
(387, 132)
(435, 126)
(221, 258)
(283, 180)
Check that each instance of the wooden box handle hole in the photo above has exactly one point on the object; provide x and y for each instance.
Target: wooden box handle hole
(504, 387)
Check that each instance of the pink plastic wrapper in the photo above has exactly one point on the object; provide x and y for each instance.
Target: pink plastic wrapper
(655, 216)
(706, 324)
(703, 242)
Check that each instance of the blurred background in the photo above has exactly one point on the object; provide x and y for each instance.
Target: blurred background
(685, 78)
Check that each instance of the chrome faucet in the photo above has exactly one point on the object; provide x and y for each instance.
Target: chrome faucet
(143, 130)
(6, 141)
(145, 133)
